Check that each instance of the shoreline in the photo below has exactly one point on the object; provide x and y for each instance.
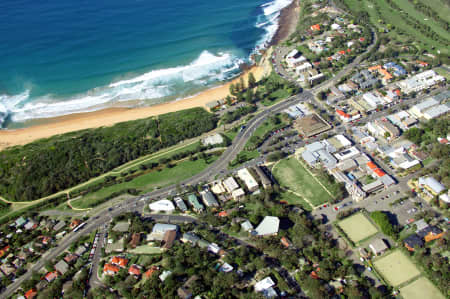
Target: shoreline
(109, 116)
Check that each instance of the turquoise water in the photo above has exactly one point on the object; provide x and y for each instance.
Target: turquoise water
(67, 56)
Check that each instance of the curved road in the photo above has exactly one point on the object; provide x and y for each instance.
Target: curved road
(136, 204)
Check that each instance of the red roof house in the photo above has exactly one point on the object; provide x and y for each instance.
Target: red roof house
(135, 270)
(50, 276)
(315, 27)
(110, 269)
(119, 261)
(151, 271)
(31, 294)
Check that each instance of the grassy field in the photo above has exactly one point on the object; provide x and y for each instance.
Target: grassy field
(357, 227)
(396, 268)
(292, 175)
(420, 289)
(145, 249)
(383, 16)
(147, 182)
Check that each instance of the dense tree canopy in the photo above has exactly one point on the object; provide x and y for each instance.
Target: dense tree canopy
(47, 166)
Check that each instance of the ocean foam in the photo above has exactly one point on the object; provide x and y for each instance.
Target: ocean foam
(156, 84)
(269, 21)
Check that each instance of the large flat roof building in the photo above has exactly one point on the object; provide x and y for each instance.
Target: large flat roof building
(269, 226)
(230, 184)
(248, 179)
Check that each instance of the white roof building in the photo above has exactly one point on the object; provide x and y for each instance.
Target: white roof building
(418, 109)
(248, 179)
(213, 139)
(218, 188)
(230, 184)
(238, 194)
(347, 154)
(164, 275)
(436, 111)
(264, 284)
(162, 228)
(269, 226)
(420, 82)
(163, 205)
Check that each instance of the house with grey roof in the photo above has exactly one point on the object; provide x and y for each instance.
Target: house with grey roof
(209, 199)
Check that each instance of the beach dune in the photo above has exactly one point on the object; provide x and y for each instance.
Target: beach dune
(111, 116)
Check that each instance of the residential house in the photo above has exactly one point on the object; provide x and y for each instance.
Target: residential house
(238, 194)
(169, 238)
(70, 258)
(246, 226)
(180, 204)
(74, 223)
(431, 233)
(230, 184)
(110, 269)
(152, 270)
(265, 287)
(135, 240)
(62, 267)
(135, 270)
(190, 237)
(7, 269)
(30, 294)
(50, 276)
(164, 275)
(119, 261)
(20, 222)
(412, 242)
(184, 292)
(208, 199)
(60, 225)
(196, 205)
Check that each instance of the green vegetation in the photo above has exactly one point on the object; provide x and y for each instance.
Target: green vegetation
(263, 131)
(357, 227)
(411, 23)
(158, 178)
(291, 174)
(295, 200)
(47, 166)
(426, 138)
(382, 220)
(396, 268)
(419, 289)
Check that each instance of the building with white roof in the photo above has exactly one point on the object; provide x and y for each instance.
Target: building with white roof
(420, 82)
(418, 109)
(238, 194)
(431, 184)
(295, 58)
(162, 228)
(264, 284)
(248, 179)
(347, 154)
(212, 140)
(230, 184)
(218, 188)
(373, 100)
(436, 111)
(163, 205)
(268, 227)
(303, 67)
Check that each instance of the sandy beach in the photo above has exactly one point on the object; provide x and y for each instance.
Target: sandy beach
(107, 117)
(110, 116)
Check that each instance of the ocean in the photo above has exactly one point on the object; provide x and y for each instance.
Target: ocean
(66, 56)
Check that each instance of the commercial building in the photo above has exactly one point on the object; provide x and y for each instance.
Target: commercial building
(163, 205)
(431, 184)
(420, 82)
(436, 111)
(212, 140)
(268, 227)
(295, 58)
(378, 246)
(419, 109)
(248, 179)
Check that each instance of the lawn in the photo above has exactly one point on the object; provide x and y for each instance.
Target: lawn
(396, 268)
(358, 227)
(147, 182)
(145, 249)
(420, 289)
(291, 174)
(293, 199)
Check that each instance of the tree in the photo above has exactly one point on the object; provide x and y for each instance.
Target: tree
(251, 80)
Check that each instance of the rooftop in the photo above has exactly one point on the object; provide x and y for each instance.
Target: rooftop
(269, 226)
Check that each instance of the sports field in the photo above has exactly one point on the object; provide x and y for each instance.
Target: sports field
(396, 268)
(358, 227)
(420, 289)
(291, 174)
